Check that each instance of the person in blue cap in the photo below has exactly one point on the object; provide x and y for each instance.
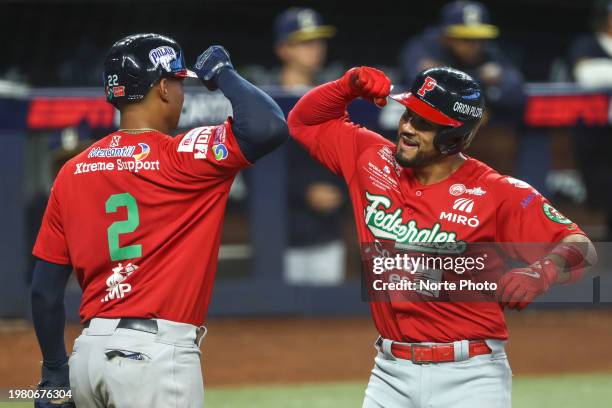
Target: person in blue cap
(465, 39)
(316, 251)
(301, 45)
(590, 59)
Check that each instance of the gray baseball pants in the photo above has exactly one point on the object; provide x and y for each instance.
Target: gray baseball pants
(483, 381)
(115, 367)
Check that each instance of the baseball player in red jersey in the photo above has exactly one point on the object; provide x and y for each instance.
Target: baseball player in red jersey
(424, 190)
(138, 218)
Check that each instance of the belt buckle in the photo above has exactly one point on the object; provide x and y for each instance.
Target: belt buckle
(413, 359)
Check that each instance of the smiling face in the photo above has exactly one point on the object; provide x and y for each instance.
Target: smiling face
(415, 141)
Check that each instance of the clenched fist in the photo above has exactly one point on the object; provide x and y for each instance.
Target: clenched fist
(519, 287)
(369, 83)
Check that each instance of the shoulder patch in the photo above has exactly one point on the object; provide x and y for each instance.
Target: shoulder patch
(196, 141)
(554, 215)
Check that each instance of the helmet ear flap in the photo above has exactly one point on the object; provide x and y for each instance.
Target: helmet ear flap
(452, 140)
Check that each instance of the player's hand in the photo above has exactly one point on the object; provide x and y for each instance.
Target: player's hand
(369, 83)
(54, 379)
(210, 63)
(517, 288)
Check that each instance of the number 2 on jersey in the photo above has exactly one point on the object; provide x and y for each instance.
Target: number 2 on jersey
(115, 201)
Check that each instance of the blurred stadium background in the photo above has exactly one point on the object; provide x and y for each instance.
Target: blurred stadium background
(273, 341)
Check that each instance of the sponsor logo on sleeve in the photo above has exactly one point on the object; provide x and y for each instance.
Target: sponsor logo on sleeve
(554, 215)
(219, 135)
(527, 200)
(517, 183)
(188, 141)
(220, 152)
(196, 141)
(219, 148)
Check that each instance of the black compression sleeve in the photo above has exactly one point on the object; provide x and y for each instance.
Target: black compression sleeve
(48, 285)
(259, 124)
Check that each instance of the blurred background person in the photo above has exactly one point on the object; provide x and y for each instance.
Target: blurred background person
(464, 40)
(590, 60)
(316, 251)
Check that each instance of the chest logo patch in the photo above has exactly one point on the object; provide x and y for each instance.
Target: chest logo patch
(390, 226)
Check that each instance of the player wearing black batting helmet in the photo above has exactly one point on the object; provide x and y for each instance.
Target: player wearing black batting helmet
(448, 98)
(424, 193)
(135, 63)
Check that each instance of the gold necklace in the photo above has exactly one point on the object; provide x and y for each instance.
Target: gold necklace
(142, 130)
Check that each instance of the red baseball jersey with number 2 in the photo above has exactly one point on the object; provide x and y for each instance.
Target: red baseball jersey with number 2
(474, 204)
(139, 217)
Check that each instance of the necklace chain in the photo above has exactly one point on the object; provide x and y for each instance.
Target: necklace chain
(141, 130)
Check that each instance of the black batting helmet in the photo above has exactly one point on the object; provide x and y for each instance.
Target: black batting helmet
(450, 98)
(135, 63)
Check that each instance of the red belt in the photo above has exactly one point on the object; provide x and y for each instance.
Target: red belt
(435, 353)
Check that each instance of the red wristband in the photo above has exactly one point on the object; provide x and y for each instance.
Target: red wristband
(574, 259)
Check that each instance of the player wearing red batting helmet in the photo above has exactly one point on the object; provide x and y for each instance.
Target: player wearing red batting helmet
(437, 348)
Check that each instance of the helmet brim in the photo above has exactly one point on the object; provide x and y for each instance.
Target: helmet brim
(425, 110)
(184, 73)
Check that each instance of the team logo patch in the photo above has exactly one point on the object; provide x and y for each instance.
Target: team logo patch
(428, 85)
(457, 189)
(163, 56)
(554, 215)
(220, 152)
(464, 204)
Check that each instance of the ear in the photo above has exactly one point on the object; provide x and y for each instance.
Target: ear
(163, 91)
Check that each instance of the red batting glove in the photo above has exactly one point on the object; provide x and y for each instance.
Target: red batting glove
(517, 288)
(369, 83)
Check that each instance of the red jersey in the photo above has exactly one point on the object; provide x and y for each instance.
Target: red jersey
(139, 216)
(474, 204)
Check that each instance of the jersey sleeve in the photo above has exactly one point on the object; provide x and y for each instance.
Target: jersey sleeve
(528, 221)
(206, 152)
(320, 123)
(51, 244)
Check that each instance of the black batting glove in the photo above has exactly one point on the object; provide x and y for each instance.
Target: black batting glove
(210, 63)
